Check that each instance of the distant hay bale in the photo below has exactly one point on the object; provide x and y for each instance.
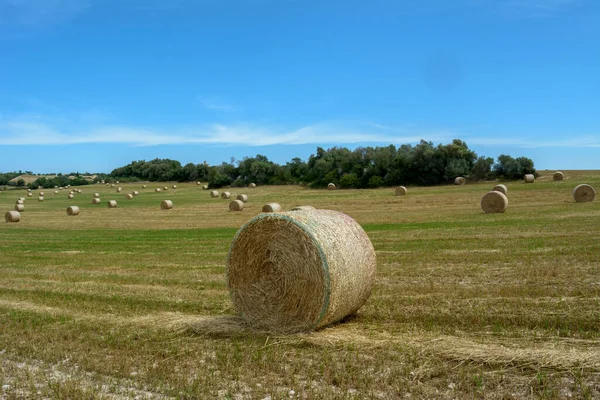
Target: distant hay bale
(303, 208)
(19, 201)
(214, 194)
(401, 191)
(166, 188)
(21, 198)
(12, 216)
(205, 187)
(42, 194)
(135, 193)
(252, 185)
(55, 187)
(119, 189)
(242, 197)
(41, 198)
(79, 191)
(300, 271)
(29, 190)
(29, 194)
(583, 193)
(174, 186)
(198, 183)
(501, 188)
(225, 195)
(144, 186)
(70, 196)
(129, 196)
(558, 176)
(494, 202)
(157, 190)
(56, 192)
(117, 182)
(96, 195)
(331, 186)
(529, 178)
(19, 207)
(96, 200)
(271, 207)
(112, 185)
(459, 180)
(73, 210)
(71, 192)
(112, 204)
(60, 188)
(236, 205)
(166, 205)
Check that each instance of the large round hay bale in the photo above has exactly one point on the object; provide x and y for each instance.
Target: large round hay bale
(214, 194)
(29, 194)
(129, 196)
(56, 192)
(112, 185)
(558, 176)
(73, 210)
(166, 188)
(303, 208)
(204, 187)
(401, 191)
(166, 205)
(198, 183)
(271, 207)
(300, 271)
(112, 204)
(501, 188)
(174, 186)
(12, 216)
(96, 200)
(19, 207)
(29, 190)
(331, 186)
(583, 193)
(157, 190)
(19, 201)
(242, 197)
(70, 196)
(117, 182)
(135, 193)
(494, 202)
(96, 195)
(119, 189)
(236, 205)
(459, 180)
(144, 186)
(225, 195)
(42, 194)
(529, 178)
(79, 191)
(252, 185)
(41, 198)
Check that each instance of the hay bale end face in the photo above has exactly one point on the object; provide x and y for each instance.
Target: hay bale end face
(96, 200)
(29, 194)
(19, 207)
(135, 193)
(242, 197)
(225, 195)
(144, 186)
(112, 204)
(70, 196)
(583, 193)
(205, 187)
(174, 186)
(236, 205)
(157, 190)
(166, 205)
(252, 185)
(303, 208)
(129, 196)
(12, 216)
(72, 210)
(41, 198)
(331, 186)
(494, 202)
(501, 188)
(558, 176)
(459, 180)
(401, 191)
(300, 271)
(96, 195)
(271, 207)
(214, 194)
(529, 178)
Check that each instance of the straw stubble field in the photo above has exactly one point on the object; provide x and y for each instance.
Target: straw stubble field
(126, 302)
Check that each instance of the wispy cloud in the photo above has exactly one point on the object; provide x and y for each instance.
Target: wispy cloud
(580, 141)
(215, 105)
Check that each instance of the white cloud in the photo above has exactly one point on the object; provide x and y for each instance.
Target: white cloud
(215, 105)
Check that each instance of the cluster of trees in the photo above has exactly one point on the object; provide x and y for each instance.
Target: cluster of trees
(59, 180)
(420, 164)
(6, 177)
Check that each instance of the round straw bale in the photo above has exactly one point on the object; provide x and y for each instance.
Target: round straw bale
(42, 194)
(166, 205)
(174, 186)
(296, 272)
(242, 197)
(21, 198)
(73, 210)
(70, 196)
(303, 208)
(271, 207)
(583, 193)
(401, 191)
(19, 207)
(71, 192)
(129, 196)
(501, 188)
(60, 188)
(29, 194)
(459, 180)
(144, 186)
(331, 186)
(41, 198)
(112, 204)
(494, 202)
(117, 182)
(55, 187)
(252, 185)
(166, 188)
(205, 187)
(112, 185)
(20, 201)
(236, 205)
(529, 178)
(12, 216)
(96, 200)
(198, 183)
(214, 193)
(558, 176)
(135, 193)
(79, 191)
(29, 190)
(225, 195)
(119, 189)
(96, 195)
(56, 192)
(157, 190)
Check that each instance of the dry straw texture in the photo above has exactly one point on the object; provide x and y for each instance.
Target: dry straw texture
(583, 193)
(401, 191)
(459, 180)
(558, 176)
(157, 190)
(300, 271)
(214, 193)
(236, 205)
(40, 198)
(12, 216)
(112, 204)
(271, 207)
(19, 207)
(303, 208)
(129, 196)
(494, 202)
(70, 196)
(501, 188)
(529, 178)
(242, 197)
(252, 185)
(331, 186)
(166, 205)
(225, 195)
(96, 200)
(73, 210)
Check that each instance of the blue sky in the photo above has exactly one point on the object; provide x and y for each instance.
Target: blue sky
(90, 85)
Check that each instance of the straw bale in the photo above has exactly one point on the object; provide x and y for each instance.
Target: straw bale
(157, 190)
(401, 191)
(19, 201)
(214, 194)
(29, 194)
(56, 192)
(242, 197)
(112, 204)
(529, 178)
(96, 195)
(12, 216)
(119, 189)
(271, 207)
(174, 186)
(198, 183)
(166, 205)
(303, 208)
(583, 193)
(29, 190)
(225, 195)
(205, 187)
(144, 186)
(42, 194)
(331, 186)
(96, 200)
(300, 271)
(19, 207)
(117, 182)
(236, 205)
(70, 196)
(252, 185)
(135, 193)
(111, 185)
(459, 180)
(41, 198)
(494, 202)
(129, 196)
(558, 176)
(166, 188)
(501, 188)
(73, 210)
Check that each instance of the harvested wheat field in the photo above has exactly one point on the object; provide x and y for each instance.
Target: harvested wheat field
(132, 301)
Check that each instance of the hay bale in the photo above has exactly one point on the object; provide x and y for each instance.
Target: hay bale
(459, 180)
(236, 205)
(42, 194)
(166, 188)
(112, 204)
(71, 192)
(129, 196)
(174, 186)
(331, 186)
(205, 187)
(73, 210)
(96, 200)
(119, 189)
(271, 207)
(501, 188)
(19, 201)
(29, 194)
(96, 195)
(79, 191)
(166, 205)
(157, 190)
(144, 186)
(117, 182)
(70, 196)
(529, 178)
(29, 190)
(135, 193)
(225, 195)
(41, 198)
(198, 183)
(112, 185)
(494, 202)
(300, 271)
(12, 216)
(401, 191)
(19, 207)
(60, 188)
(214, 194)
(303, 208)
(558, 176)
(56, 192)
(242, 197)
(252, 185)
(583, 193)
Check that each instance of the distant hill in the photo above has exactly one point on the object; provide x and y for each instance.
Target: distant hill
(32, 178)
